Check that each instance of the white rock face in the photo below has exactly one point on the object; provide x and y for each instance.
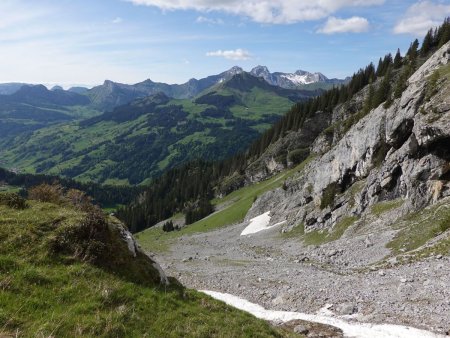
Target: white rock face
(399, 152)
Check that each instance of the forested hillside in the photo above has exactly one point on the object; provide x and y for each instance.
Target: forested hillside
(105, 196)
(33, 107)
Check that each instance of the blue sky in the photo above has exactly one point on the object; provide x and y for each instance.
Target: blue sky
(87, 41)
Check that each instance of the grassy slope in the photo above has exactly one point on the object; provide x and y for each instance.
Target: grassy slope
(417, 229)
(235, 207)
(46, 295)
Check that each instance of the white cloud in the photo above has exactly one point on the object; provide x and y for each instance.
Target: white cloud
(354, 24)
(238, 54)
(211, 21)
(264, 11)
(117, 20)
(422, 16)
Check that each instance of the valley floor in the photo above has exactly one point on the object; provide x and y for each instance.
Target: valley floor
(354, 276)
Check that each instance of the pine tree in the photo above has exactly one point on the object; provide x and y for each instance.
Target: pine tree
(380, 68)
(413, 53)
(397, 59)
(383, 92)
(427, 43)
(444, 33)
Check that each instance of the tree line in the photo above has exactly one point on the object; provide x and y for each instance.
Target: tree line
(103, 195)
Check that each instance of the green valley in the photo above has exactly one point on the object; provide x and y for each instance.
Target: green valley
(140, 140)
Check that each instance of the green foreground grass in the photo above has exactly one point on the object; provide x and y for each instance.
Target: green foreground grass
(236, 207)
(50, 295)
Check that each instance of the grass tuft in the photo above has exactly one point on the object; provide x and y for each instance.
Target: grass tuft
(382, 207)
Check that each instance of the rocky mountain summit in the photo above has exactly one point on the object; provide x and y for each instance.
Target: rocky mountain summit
(292, 80)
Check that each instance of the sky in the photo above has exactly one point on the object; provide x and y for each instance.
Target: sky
(84, 42)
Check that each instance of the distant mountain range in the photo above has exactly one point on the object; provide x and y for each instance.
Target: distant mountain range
(111, 94)
(31, 107)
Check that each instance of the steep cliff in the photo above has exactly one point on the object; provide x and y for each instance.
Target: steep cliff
(396, 152)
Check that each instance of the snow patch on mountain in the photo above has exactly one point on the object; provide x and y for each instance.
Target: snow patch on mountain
(300, 79)
(290, 80)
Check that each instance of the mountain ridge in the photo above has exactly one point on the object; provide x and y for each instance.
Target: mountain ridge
(111, 94)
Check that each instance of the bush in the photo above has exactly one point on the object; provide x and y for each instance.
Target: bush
(79, 200)
(47, 193)
(328, 195)
(432, 87)
(13, 200)
(297, 156)
(168, 226)
(86, 240)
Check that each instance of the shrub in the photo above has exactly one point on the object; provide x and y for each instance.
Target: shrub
(432, 87)
(168, 226)
(297, 156)
(13, 200)
(47, 193)
(86, 240)
(79, 200)
(379, 154)
(329, 194)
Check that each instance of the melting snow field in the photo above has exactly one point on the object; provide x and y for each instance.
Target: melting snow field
(258, 224)
(351, 330)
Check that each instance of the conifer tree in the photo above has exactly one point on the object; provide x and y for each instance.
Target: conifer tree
(413, 53)
(397, 59)
(383, 92)
(427, 43)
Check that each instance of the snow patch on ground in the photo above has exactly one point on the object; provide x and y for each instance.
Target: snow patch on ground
(351, 330)
(258, 224)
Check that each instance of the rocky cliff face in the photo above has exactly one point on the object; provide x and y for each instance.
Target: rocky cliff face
(401, 152)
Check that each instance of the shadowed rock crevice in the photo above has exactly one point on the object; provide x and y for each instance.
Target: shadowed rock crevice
(440, 148)
(402, 133)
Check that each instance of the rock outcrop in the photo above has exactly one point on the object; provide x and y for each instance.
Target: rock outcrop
(400, 152)
(129, 247)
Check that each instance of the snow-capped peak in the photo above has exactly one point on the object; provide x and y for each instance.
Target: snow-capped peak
(302, 77)
(288, 80)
